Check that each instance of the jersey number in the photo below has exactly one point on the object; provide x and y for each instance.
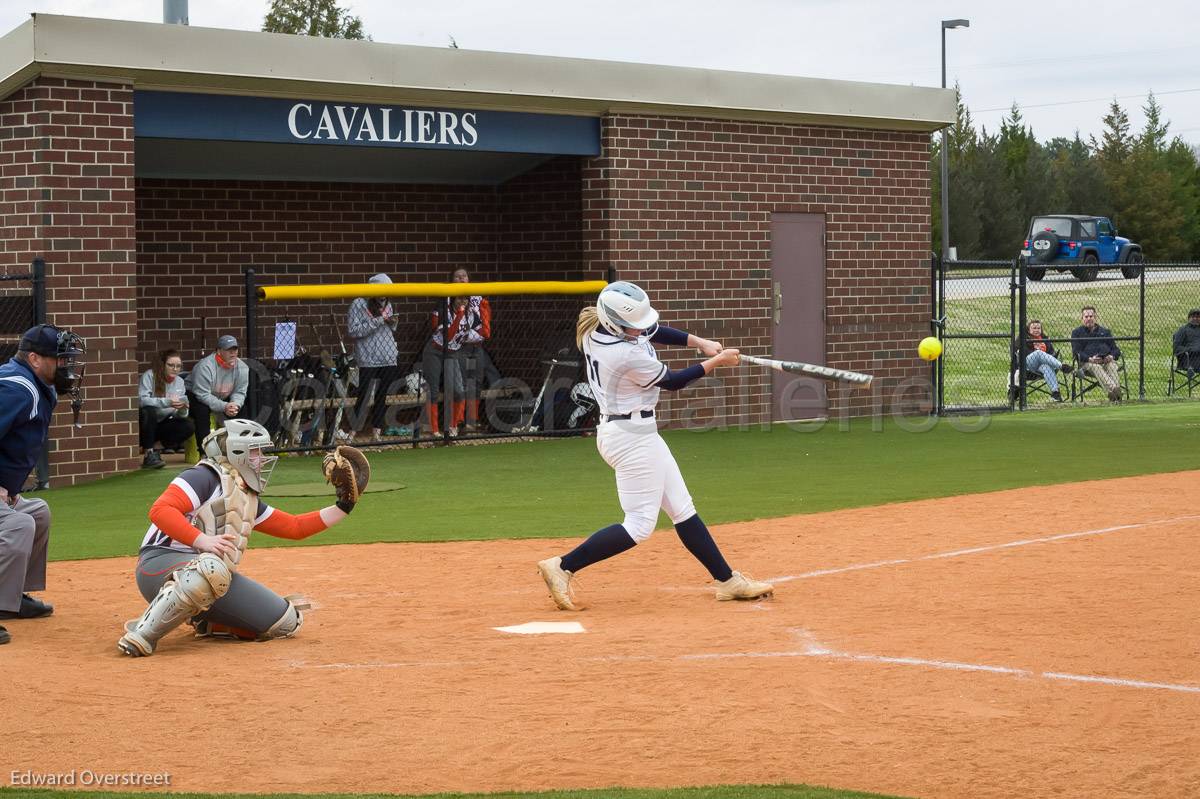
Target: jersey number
(595, 365)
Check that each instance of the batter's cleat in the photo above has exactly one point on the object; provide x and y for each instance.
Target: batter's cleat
(739, 586)
(558, 580)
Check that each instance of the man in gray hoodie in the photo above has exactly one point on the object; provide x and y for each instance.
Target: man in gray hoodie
(218, 383)
(372, 324)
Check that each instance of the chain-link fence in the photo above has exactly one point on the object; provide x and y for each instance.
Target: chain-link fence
(986, 310)
(23, 305)
(408, 370)
(976, 313)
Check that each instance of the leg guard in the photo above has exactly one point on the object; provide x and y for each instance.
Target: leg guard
(287, 626)
(190, 590)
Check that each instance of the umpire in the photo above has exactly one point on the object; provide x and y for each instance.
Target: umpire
(46, 363)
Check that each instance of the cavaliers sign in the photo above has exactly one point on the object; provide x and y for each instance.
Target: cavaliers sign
(180, 115)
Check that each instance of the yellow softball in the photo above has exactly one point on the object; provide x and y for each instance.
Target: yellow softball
(929, 349)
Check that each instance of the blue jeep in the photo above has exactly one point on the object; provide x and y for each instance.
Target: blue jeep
(1081, 245)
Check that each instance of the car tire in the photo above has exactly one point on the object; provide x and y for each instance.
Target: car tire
(1049, 251)
(1036, 272)
(1090, 269)
(1132, 265)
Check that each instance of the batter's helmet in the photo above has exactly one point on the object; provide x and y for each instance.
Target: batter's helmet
(624, 305)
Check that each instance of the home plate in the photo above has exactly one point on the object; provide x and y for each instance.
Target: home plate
(543, 627)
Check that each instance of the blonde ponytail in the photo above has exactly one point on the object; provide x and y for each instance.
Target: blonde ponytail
(589, 321)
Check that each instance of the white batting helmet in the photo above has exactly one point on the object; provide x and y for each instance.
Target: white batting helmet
(234, 442)
(623, 304)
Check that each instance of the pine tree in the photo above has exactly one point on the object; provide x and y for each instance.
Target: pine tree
(312, 18)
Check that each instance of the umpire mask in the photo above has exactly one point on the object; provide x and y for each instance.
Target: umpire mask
(68, 378)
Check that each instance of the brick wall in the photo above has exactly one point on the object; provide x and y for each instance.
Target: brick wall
(194, 238)
(66, 195)
(684, 206)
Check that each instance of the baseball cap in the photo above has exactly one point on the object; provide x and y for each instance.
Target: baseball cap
(379, 278)
(1194, 312)
(227, 342)
(42, 339)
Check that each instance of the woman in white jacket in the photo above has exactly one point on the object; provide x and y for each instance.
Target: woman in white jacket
(163, 408)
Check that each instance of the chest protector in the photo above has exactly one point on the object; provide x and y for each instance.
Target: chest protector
(232, 512)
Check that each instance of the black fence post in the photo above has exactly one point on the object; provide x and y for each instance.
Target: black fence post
(610, 274)
(940, 315)
(251, 314)
(38, 270)
(935, 330)
(1142, 335)
(39, 291)
(251, 339)
(1022, 322)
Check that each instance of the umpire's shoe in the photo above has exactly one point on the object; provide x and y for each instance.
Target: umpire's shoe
(4, 636)
(739, 586)
(558, 580)
(30, 609)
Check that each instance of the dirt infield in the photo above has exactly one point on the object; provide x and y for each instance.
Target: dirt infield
(1034, 643)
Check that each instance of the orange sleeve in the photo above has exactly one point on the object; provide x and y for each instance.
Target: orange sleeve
(282, 524)
(168, 511)
(485, 318)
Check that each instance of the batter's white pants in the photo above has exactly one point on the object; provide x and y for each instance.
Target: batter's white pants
(648, 477)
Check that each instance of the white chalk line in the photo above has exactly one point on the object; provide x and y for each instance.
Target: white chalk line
(956, 553)
(811, 650)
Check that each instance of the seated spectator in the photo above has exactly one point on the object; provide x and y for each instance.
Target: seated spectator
(218, 384)
(1097, 353)
(1186, 343)
(1040, 357)
(371, 322)
(163, 408)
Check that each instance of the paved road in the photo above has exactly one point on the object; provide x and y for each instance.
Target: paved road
(969, 288)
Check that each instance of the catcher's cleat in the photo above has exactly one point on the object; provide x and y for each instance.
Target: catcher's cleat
(739, 586)
(558, 580)
(133, 644)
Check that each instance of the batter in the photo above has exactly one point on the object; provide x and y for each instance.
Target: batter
(617, 339)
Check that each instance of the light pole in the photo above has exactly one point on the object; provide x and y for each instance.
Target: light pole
(947, 23)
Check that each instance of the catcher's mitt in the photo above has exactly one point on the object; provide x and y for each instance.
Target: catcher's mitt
(347, 469)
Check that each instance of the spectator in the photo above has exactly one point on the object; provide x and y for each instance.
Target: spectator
(474, 362)
(163, 408)
(372, 324)
(1040, 357)
(218, 384)
(30, 383)
(460, 326)
(1097, 353)
(1186, 343)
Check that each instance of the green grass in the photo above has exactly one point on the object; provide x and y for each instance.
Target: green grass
(713, 792)
(559, 488)
(976, 371)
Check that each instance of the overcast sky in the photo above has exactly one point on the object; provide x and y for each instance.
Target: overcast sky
(1062, 62)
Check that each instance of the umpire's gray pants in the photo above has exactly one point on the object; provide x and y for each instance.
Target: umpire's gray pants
(247, 605)
(24, 538)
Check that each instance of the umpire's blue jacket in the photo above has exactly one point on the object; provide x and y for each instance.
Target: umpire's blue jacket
(25, 407)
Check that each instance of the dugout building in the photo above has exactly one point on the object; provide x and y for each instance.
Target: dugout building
(148, 165)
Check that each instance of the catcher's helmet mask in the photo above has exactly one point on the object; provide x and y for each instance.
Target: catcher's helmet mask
(241, 443)
(624, 306)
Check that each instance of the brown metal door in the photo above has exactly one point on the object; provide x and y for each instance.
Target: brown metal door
(798, 313)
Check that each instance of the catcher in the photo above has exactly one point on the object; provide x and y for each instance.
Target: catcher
(188, 564)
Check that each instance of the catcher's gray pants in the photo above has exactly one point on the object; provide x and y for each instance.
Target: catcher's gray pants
(247, 605)
(24, 538)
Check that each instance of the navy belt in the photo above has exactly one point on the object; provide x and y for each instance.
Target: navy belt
(612, 417)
